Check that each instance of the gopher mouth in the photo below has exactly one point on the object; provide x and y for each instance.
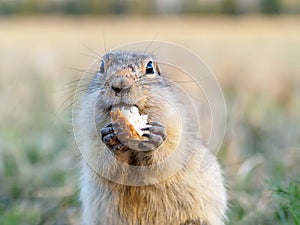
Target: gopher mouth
(123, 105)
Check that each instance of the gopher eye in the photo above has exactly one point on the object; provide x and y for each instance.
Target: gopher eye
(149, 68)
(102, 67)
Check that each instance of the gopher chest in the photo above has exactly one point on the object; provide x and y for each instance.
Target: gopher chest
(158, 204)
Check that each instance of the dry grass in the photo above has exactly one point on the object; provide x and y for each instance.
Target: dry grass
(255, 59)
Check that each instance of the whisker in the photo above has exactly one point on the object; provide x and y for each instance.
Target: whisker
(151, 42)
(81, 70)
(104, 41)
(72, 99)
(186, 81)
(93, 51)
(154, 50)
(194, 97)
(74, 81)
(76, 89)
(77, 82)
(91, 56)
(183, 81)
(75, 92)
(63, 107)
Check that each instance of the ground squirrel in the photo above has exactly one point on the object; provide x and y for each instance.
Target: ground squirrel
(187, 197)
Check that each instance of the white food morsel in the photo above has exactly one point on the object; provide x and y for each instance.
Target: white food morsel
(138, 121)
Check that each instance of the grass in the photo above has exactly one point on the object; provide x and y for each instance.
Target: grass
(38, 184)
(263, 147)
(253, 58)
(287, 196)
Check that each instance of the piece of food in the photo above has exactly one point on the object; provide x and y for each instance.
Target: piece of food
(128, 122)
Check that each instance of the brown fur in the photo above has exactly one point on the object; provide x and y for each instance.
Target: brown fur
(188, 197)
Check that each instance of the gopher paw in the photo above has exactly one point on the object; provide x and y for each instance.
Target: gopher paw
(156, 136)
(110, 139)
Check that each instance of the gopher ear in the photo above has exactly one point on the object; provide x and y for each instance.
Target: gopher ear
(102, 67)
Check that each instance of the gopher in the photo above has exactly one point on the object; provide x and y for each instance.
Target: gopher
(158, 180)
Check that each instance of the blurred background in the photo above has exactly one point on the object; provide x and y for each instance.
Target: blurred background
(252, 46)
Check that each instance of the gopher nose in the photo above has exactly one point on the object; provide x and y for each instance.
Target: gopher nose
(121, 83)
